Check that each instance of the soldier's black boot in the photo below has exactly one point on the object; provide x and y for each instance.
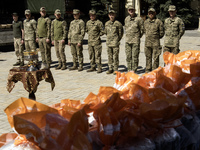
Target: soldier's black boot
(17, 63)
(22, 63)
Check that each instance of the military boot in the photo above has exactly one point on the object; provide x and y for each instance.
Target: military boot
(59, 66)
(91, 69)
(109, 71)
(63, 66)
(74, 67)
(99, 70)
(80, 68)
(22, 63)
(17, 63)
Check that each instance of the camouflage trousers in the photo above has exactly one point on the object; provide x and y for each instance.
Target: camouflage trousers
(132, 55)
(174, 50)
(45, 49)
(19, 49)
(152, 52)
(95, 55)
(60, 51)
(77, 53)
(113, 57)
(30, 45)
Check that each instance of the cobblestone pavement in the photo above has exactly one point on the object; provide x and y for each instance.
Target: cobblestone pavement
(73, 84)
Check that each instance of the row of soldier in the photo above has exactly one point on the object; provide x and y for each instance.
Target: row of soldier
(55, 33)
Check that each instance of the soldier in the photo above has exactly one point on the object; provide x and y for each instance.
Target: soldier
(94, 27)
(134, 27)
(154, 31)
(29, 31)
(43, 36)
(75, 39)
(18, 37)
(114, 33)
(58, 36)
(174, 30)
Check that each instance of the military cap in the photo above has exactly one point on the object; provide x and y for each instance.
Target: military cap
(42, 9)
(27, 12)
(172, 8)
(152, 10)
(93, 12)
(130, 7)
(76, 11)
(57, 11)
(112, 11)
(15, 14)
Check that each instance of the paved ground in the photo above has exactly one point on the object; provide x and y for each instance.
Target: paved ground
(73, 84)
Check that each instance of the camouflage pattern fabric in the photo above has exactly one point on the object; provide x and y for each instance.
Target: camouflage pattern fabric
(45, 50)
(132, 54)
(77, 53)
(76, 31)
(174, 50)
(94, 30)
(30, 45)
(75, 36)
(154, 31)
(95, 55)
(113, 57)
(60, 51)
(29, 29)
(114, 32)
(174, 30)
(19, 49)
(134, 28)
(152, 52)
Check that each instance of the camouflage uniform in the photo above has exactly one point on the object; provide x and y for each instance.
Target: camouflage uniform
(114, 32)
(75, 36)
(94, 30)
(134, 27)
(30, 26)
(43, 33)
(17, 33)
(59, 33)
(154, 31)
(174, 30)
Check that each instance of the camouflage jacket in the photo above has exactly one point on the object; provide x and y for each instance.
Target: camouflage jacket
(114, 32)
(154, 31)
(134, 28)
(94, 30)
(58, 29)
(43, 27)
(29, 29)
(174, 30)
(76, 31)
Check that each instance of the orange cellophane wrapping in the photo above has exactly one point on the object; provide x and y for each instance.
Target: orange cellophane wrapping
(6, 138)
(25, 105)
